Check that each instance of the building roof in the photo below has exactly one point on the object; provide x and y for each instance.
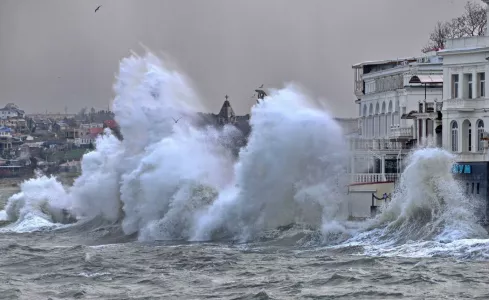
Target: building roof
(96, 130)
(226, 110)
(110, 123)
(384, 62)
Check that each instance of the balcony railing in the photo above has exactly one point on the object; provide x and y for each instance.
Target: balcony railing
(376, 145)
(401, 132)
(429, 107)
(466, 103)
(471, 157)
(373, 177)
(467, 42)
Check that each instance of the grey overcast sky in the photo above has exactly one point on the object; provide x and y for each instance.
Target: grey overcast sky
(59, 52)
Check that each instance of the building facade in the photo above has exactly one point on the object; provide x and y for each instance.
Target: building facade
(11, 111)
(398, 106)
(466, 112)
(465, 103)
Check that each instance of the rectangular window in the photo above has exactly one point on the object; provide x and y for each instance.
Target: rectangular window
(478, 188)
(472, 187)
(482, 84)
(455, 86)
(469, 86)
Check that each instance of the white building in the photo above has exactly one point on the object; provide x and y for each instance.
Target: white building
(86, 140)
(11, 111)
(466, 105)
(398, 101)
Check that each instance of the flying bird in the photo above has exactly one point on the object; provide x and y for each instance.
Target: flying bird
(176, 121)
(261, 86)
(98, 7)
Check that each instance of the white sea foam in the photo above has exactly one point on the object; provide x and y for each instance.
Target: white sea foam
(168, 180)
(291, 171)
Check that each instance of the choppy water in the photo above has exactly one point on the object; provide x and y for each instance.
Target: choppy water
(169, 212)
(47, 265)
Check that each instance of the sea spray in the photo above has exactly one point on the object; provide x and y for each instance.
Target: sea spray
(428, 204)
(291, 171)
(161, 173)
(96, 191)
(176, 180)
(168, 170)
(41, 202)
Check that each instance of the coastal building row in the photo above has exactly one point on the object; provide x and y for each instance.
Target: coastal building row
(439, 98)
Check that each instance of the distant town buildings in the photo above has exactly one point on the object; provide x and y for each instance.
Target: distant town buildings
(48, 141)
(11, 111)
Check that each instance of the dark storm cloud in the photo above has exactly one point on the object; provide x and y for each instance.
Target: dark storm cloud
(57, 53)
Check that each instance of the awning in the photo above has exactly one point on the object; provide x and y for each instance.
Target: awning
(409, 115)
(426, 79)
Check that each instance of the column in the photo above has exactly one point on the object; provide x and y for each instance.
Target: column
(461, 87)
(383, 168)
(433, 133)
(460, 135)
(415, 129)
(474, 135)
(422, 131)
(474, 84)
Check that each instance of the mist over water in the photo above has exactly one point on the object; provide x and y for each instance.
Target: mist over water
(291, 171)
(168, 180)
(180, 181)
(429, 213)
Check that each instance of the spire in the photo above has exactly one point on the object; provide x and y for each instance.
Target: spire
(226, 114)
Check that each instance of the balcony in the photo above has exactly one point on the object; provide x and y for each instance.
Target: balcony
(466, 104)
(376, 145)
(401, 133)
(373, 177)
(471, 156)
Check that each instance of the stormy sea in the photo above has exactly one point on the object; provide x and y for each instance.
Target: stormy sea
(169, 212)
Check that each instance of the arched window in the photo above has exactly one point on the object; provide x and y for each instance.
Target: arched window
(480, 135)
(454, 136)
(466, 136)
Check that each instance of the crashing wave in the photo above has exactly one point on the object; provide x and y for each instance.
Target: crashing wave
(181, 181)
(168, 180)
